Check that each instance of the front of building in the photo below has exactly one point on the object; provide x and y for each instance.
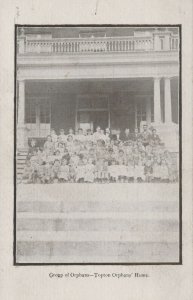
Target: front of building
(97, 78)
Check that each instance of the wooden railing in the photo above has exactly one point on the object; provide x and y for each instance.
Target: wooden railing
(90, 45)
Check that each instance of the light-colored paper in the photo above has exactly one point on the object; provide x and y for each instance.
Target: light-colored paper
(42, 282)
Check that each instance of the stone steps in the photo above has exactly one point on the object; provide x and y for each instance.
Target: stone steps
(80, 236)
(20, 162)
(82, 223)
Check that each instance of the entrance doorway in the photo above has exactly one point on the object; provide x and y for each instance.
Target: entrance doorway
(92, 111)
(92, 119)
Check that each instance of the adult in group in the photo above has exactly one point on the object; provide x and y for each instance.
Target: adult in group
(125, 135)
(145, 135)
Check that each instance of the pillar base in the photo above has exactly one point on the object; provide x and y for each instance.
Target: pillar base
(22, 137)
(169, 134)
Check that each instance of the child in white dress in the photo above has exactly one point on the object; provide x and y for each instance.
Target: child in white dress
(138, 169)
(89, 171)
(113, 171)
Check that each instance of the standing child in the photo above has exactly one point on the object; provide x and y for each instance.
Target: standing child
(80, 170)
(105, 171)
(49, 146)
(113, 171)
(138, 169)
(130, 168)
(27, 173)
(55, 171)
(164, 171)
(148, 169)
(89, 171)
(63, 174)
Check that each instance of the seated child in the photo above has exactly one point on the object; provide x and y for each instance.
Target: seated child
(63, 174)
(58, 155)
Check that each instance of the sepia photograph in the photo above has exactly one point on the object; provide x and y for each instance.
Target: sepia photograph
(97, 144)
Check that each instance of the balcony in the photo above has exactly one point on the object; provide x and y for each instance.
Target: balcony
(148, 41)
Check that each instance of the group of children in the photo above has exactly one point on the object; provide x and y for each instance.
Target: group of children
(99, 157)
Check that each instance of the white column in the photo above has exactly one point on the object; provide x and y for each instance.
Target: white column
(21, 102)
(21, 115)
(148, 110)
(157, 104)
(168, 103)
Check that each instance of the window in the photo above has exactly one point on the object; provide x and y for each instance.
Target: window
(45, 111)
(92, 102)
(30, 111)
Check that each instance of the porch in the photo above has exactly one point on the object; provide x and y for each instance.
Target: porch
(88, 103)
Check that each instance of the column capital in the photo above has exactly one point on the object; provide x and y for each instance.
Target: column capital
(168, 77)
(157, 78)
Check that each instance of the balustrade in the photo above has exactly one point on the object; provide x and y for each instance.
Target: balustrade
(87, 45)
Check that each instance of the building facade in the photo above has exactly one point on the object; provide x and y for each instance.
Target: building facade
(89, 77)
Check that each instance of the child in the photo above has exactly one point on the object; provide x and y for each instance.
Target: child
(54, 136)
(34, 164)
(41, 173)
(113, 172)
(121, 168)
(63, 174)
(148, 169)
(32, 148)
(48, 172)
(27, 173)
(80, 136)
(72, 172)
(55, 171)
(156, 169)
(80, 170)
(89, 171)
(89, 136)
(49, 146)
(69, 143)
(62, 136)
(98, 170)
(130, 169)
(58, 155)
(164, 171)
(105, 172)
(138, 170)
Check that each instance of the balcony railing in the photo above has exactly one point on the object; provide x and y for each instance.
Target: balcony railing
(92, 45)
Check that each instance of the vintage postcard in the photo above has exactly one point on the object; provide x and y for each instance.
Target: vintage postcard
(98, 112)
(96, 150)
